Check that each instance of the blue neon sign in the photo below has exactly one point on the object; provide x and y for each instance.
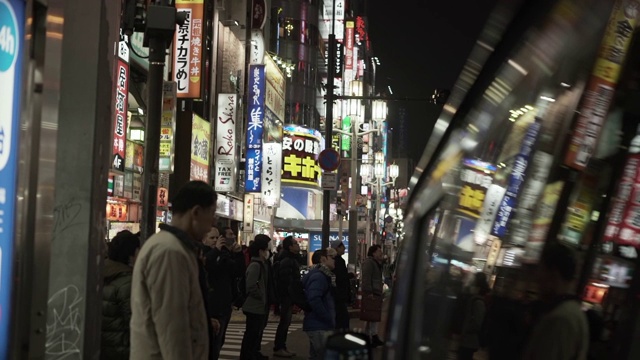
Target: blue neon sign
(255, 128)
(11, 48)
(516, 178)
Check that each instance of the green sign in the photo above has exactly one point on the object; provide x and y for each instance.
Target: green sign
(346, 139)
(139, 53)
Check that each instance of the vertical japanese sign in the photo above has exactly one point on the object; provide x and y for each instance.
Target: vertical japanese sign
(275, 89)
(134, 158)
(578, 213)
(516, 178)
(542, 220)
(348, 41)
(121, 97)
(247, 221)
(187, 49)
(258, 14)
(601, 86)
(256, 54)
(11, 49)
(255, 128)
(623, 223)
(271, 173)
(167, 125)
(200, 139)
(492, 199)
(225, 148)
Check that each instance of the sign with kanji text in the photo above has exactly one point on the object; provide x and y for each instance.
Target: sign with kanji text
(475, 176)
(271, 173)
(187, 49)
(200, 140)
(121, 89)
(329, 181)
(515, 180)
(255, 128)
(247, 221)
(600, 90)
(167, 125)
(300, 150)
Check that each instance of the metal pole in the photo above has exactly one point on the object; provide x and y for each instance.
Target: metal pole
(353, 210)
(157, 49)
(378, 209)
(159, 19)
(328, 126)
(340, 227)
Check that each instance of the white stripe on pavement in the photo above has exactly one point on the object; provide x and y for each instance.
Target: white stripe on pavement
(235, 332)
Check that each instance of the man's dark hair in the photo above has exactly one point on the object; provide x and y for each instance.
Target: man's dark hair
(373, 249)
(192, 194)
(123, 246)
(560, 258)
(287, 242)
(315, 258)
(224, 230)
(260, 242)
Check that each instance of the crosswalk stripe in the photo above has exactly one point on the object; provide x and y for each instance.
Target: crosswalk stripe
(235, 332)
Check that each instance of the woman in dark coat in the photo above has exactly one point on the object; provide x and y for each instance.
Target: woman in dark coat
(116, 295)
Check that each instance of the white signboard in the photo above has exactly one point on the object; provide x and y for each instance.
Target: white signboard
(492, 200)
(247, 222)
(329, 181)
(256, 54)
(225, 147)
(271, 173)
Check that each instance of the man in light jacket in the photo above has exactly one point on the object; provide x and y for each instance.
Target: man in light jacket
(169, 319)
(372, 286)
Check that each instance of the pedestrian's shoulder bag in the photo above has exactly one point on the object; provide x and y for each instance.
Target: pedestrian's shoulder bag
(371, 308)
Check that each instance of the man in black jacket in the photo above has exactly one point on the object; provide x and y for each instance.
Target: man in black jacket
(288, 271)
(224, 265)
(343, 289)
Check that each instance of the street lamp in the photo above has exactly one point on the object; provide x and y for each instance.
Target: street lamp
(365, 171)
(356, 112)
(378, 157)
(379, 174)
(379, 110)
(394, 171)
(378, 170)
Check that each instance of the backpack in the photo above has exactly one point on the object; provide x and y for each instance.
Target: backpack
(298, 296)
(241, 287)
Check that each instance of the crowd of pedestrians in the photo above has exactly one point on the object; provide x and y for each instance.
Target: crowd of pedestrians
(174, 297)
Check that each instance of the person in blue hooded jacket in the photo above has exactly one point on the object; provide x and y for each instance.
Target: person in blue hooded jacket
(319, 287)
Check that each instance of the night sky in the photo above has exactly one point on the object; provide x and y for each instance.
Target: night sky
(422, 45)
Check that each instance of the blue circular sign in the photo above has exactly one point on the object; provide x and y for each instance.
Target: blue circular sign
(9, 40)
(329, 159)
